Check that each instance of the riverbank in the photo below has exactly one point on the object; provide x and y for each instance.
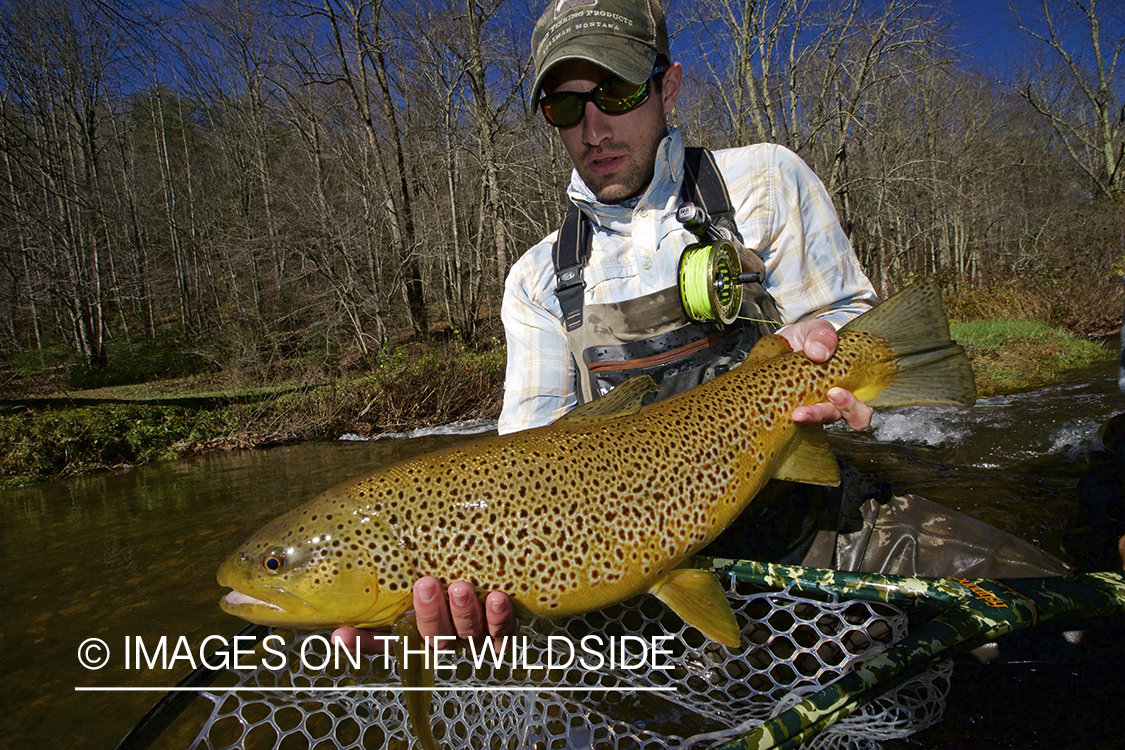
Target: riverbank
(116, 428)
(416, 386)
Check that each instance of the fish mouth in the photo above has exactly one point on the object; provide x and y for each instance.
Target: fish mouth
(294, 613)
(238, 599)
(254, 602)
(264, 605)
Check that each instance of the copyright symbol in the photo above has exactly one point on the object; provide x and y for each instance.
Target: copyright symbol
(93, 653)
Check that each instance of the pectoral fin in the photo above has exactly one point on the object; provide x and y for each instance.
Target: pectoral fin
(808, 459)
(623, 400)
(697, 597)
(415, 671)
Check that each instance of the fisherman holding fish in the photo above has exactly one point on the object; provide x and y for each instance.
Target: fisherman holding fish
(598, 302)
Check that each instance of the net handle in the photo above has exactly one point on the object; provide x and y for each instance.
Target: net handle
(974, 611)
(172, 704)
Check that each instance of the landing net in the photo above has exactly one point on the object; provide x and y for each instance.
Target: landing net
(792, 646)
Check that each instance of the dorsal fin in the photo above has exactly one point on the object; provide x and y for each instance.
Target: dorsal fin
(623, 400)
(768, 346)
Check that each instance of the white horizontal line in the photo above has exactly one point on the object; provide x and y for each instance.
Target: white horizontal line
(364, 688)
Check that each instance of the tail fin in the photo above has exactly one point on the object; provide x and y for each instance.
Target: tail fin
(932, 368)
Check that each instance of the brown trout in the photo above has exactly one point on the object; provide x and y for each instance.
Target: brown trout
(600, 506)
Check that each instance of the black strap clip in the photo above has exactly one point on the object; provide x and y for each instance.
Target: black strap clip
(569, 291)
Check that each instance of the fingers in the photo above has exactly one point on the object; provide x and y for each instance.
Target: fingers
(468, 615)
(501, 619)
(853, 411)
(816, 338)
(823, 413)
(434, 617)
(841, 404)
(463, 616)
(820, 343)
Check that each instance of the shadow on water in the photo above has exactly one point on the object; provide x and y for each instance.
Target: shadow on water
(130, 554)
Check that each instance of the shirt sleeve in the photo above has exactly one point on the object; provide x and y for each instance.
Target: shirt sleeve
(812, 270)
(538, 382)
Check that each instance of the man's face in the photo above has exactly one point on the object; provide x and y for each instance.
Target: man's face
(614, 154)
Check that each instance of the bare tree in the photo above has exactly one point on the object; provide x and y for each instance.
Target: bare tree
(362, 42)
(56, 64)
(276, 179)
(1077, 85)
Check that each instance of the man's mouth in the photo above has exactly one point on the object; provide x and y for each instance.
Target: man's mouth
(604, 164)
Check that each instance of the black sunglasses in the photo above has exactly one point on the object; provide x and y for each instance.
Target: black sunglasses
(612, 96)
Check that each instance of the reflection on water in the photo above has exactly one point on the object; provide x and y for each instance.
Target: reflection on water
(135, 553)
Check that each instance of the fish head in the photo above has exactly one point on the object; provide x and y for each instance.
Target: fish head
(319, 567)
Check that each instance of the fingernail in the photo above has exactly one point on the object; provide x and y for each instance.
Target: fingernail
(837, 396)
(425, 591)
(496, 605)
(459, 597)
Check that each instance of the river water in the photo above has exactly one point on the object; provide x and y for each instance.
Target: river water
(134, 553)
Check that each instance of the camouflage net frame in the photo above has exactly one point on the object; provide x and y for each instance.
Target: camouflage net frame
(794, 646)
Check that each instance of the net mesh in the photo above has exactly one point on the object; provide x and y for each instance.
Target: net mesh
(792, 646)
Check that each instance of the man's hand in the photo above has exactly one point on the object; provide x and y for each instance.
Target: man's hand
(460, 617)
(818, 339)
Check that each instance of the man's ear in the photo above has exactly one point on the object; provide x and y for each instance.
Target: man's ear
(670, 86)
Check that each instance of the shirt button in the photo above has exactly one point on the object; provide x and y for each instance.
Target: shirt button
(646, 263)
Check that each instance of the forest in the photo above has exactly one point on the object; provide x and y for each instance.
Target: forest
(254, 181)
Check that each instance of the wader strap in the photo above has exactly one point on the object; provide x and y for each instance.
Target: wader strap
(570, 252)
(703, 185)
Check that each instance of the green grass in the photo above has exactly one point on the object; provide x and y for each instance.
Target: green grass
(53, 442)
(992, 334)
(1011, 355)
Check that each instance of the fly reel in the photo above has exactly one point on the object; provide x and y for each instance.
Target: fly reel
(710, 271)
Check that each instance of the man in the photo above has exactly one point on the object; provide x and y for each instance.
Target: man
(606, 82)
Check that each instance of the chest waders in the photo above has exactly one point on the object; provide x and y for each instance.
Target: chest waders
(652, 335)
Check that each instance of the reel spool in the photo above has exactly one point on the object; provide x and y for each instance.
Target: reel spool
(710, 288)
(711, 275)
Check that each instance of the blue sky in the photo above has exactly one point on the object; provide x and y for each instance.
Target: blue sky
(987, 27)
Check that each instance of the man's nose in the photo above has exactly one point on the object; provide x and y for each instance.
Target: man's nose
(596, 126)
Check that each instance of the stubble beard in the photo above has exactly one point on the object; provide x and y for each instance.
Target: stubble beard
(638, 173)
(618, 187)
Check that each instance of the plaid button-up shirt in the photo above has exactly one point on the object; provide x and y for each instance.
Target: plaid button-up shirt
(782, 211)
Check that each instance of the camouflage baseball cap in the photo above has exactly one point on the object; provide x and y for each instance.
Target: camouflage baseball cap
(622, 36)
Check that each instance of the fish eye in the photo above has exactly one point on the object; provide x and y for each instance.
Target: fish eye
(273, 562)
